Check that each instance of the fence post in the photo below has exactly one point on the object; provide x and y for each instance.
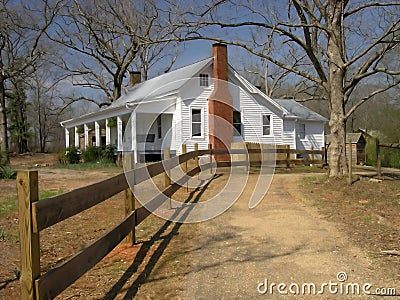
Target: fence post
(312, 155)
(129, 207)
(196, 158)
(129, 197)
(28, 192)
(210, 148)
(350, 179)
(167, 173)
(378, 159)
(287, 160)
(184, 166)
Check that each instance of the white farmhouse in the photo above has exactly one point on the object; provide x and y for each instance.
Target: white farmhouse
(206, 102)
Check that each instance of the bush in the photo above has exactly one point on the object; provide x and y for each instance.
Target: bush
(73, 155)
(107, 154)
(389, 157)
(91, 154)
(7, 173)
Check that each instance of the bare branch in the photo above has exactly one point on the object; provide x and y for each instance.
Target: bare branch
(368, 5)
(364, 99)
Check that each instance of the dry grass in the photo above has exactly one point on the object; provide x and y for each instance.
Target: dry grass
(369, 212)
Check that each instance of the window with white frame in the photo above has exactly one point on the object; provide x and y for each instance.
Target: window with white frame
(196, 122)
(237, 123)
(203, 79)
(302, 131)
(266, 124)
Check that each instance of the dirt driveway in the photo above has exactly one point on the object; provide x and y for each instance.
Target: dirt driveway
(280, 241)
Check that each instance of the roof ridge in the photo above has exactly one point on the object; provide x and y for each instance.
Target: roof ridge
(169, 73)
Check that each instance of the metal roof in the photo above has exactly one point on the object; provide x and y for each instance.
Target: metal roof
(169, 84)
(297, 110)
(163, 85)
(352, 138)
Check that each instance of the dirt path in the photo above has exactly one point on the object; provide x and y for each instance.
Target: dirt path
(283, 241)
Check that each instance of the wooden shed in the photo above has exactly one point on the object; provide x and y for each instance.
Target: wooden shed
(357, 143)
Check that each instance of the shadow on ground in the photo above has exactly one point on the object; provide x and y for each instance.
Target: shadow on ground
(146, 245)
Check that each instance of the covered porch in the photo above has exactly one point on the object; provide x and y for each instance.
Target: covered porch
(143, 133)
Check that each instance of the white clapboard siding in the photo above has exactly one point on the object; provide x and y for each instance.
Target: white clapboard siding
(314, 136)
(177, 127)
(201, 101)
(289, 134)
(252, 121)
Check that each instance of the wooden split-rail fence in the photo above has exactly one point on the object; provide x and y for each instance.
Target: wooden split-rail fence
(35, 216)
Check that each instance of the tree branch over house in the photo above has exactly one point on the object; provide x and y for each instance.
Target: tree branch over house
(105, 39)
(341, 45)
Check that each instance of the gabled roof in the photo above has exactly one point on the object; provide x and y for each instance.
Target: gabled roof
(352, 138)
(163, 85)
(256, 93)
(166, 85)
(298, 111)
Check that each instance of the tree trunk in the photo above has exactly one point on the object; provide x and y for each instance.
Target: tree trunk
(39, 108)
(335, 88)
(24, 126)
(4, 157)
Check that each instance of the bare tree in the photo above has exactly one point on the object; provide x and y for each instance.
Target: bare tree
(45, 105)
(105, 39)
(150, 55)
(343, 44)
(21, 31)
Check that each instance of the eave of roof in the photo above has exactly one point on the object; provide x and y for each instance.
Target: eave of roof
(299, 111)
(162, 86)
(157, 88)
(255, 91)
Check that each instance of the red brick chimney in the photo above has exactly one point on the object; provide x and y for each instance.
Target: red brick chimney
(220, 107)
(135, 77)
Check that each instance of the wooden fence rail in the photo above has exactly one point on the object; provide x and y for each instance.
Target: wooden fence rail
(35, 216)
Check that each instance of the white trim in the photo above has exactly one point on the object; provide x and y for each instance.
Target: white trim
(108, 133)
(76, 138)
(134, 134)
(255, 91)
(66, 138)
(119, 133)
(86, 131)
(305, 131)
(271, 126)
(97, 133)
(201, 136)
(133, 105)
(204, 80)
(96, 116)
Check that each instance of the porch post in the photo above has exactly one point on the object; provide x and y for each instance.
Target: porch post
(86, 130)
(119, 133)
(134, 141)
(76, 137)
(108, 134)
(97, 133)
(66, 138)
